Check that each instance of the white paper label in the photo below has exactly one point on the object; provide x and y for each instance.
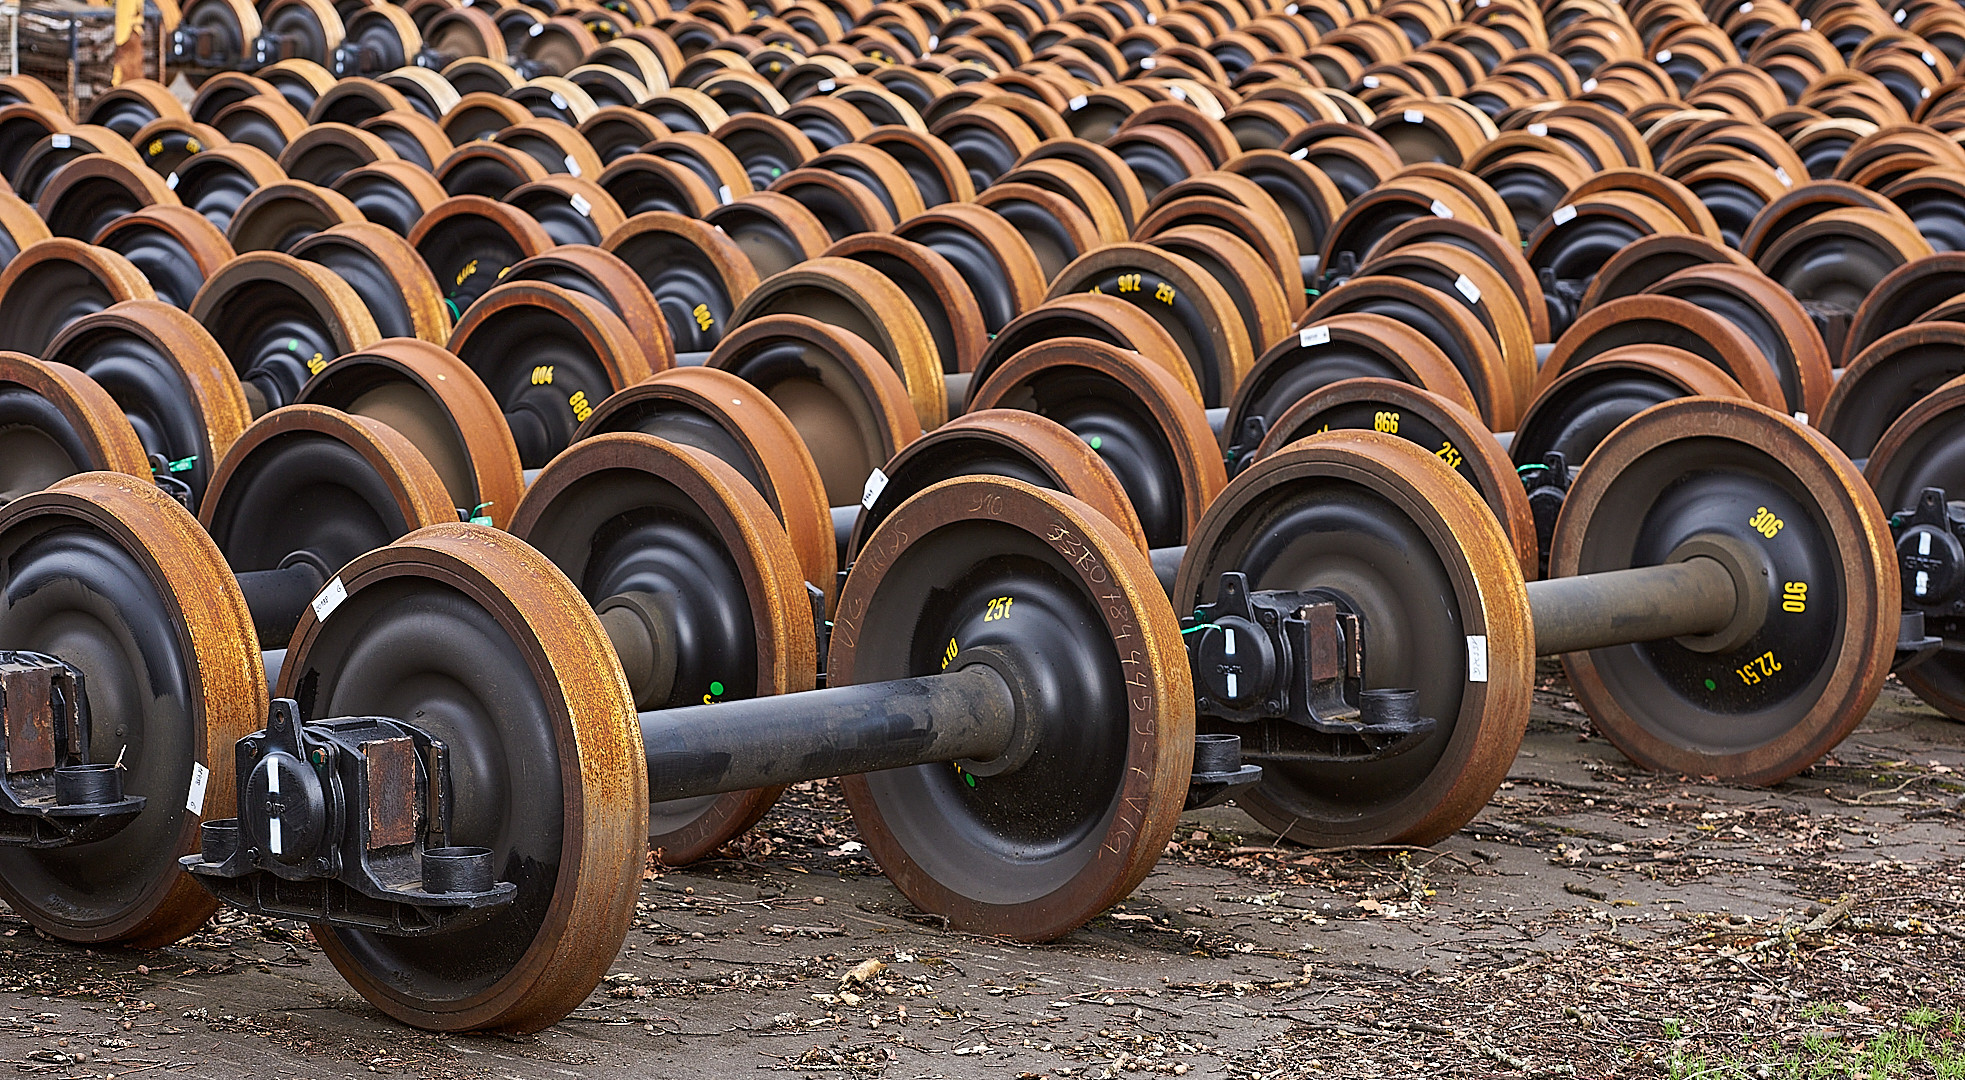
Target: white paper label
(194, 800)
(1782, 175)
(1929, 60)
(1899, 18)
(876, 483)
(933, 41)
(1441, 209)
(1538, 130)
(1808, 24)
(1414, 116)
(723, 193)
(1298, 156)
(1371, 81)
(1665, 57)
(1801, 417)
(1290, 10)
(536, 30)
(580, 205)
(1078, 102)
(1176, 93)
(1476, 657)
(60, 141)
(1746, 7)
(1313, 335)
(1151, 19)
(171, 181)
(826, 85)
(1923, 91)
(329, 599)
(1589, 85)
(572, 166)
(1468, 289)
(558, 101)
(1147, 63)
(1563, 215)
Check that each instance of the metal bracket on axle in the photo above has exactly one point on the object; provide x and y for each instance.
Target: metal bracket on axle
(346, 821)
(1931, 562)
(50, 794)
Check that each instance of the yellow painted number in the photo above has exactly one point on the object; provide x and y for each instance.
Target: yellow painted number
(1764, 523)
(1387, 422)
(1165, 293)
(1794, 597)
(999, 608)
(469, 269)
(1448, 454)
(948, 653)
(578, 403)
(542, 375)
(315, 364)
(1760, 667)
(704, 320)
(1128, 282)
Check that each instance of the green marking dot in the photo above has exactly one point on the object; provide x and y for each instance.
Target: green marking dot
(716, 688)
(293, 344)
(1097, 442)
(969, 779)
(776, 172)
(1711, 685)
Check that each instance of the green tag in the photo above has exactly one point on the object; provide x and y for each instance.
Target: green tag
(183, 464)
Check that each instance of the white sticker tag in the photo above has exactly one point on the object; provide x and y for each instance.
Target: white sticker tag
(558, 101)
(1371, 82)
(1801, 417)
(1476, 657)
(1563, 215)
(536, 30)
(876, 483)
(1808, 24)
(171, 181)
(1468, 289)
(1441, 209)
(1923, 91)
(723, 194)
(1665, 57)
(1298, 156)
(826, 85)
(1148, 63)
(329, 599)
(1313, 335)
(1176, 93)
(572, 166)
(1782, 175)
(1538, 130)
(580, 205)
(194, 800)
(1414, 116)
(1746, 7)
(1151, 19)
(60, 141)
(1290, 10)
(1078, 102)
(1589, 85)
(1929, 60)
(933, 42)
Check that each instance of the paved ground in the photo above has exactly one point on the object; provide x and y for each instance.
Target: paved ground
(1594, 921)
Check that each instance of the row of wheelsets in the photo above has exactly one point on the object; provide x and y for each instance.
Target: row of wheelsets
(472, 733)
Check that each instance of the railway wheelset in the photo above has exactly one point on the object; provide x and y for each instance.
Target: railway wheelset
(470, 446)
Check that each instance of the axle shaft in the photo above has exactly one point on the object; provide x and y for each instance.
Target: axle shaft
(1623, 607)
(969, 713)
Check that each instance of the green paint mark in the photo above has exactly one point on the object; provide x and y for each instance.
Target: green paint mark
(969, 779)
(452, 305)
(776, 172)
(716, 688)
(1097, 442)
(293, 344)
(1711, 685)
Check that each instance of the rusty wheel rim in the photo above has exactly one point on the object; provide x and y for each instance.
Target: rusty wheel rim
(681, 525)
(1665, 320)
(1447, 323)
(392, 280)
(170, 379)
(174, 247)
(1886, 379)
(56, 281)
(1183, 298)
(279, 320)
(584, 768)
(148, 559)
(59, 423)
(1660, 703)
(1395, 497)
(963, 868)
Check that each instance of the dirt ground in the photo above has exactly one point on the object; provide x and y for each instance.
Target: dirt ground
(1595, 921)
